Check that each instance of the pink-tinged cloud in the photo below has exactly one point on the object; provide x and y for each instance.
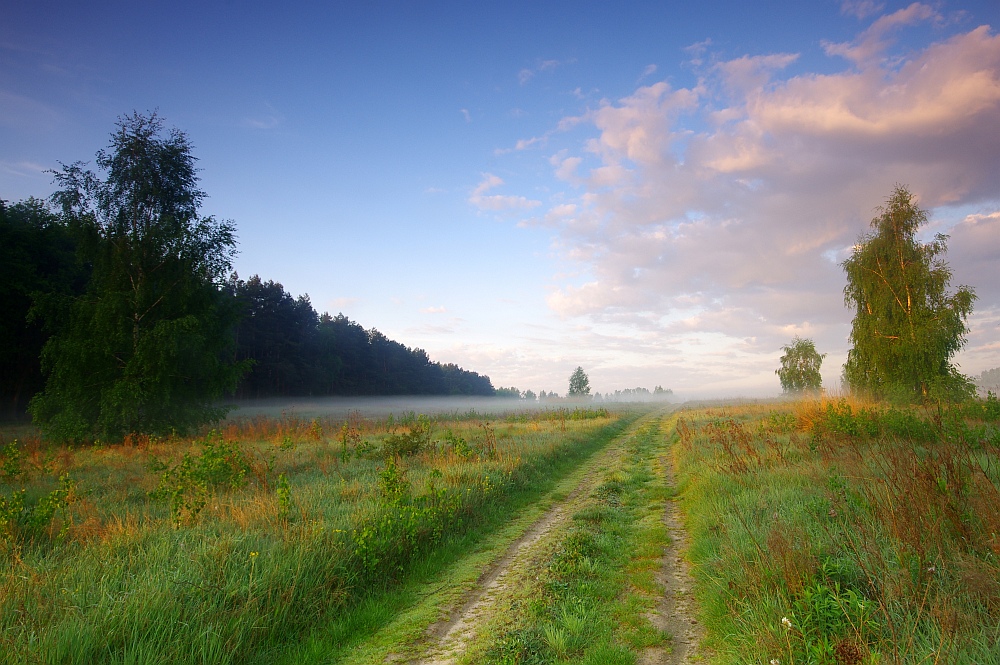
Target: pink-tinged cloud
(744, 194)
(875, 40)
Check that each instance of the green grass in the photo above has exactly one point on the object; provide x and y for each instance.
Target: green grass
(844, 532)
(240, 546)
(586, 601)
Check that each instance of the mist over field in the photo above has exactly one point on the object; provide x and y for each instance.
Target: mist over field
(337, 408)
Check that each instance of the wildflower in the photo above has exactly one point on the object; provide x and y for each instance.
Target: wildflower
(253, 555)
(775, 661)
(786, 622)
(931, 569)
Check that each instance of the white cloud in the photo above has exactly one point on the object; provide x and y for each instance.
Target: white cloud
(343, 303)
(498, 202)
(860, 8)
(719, 212)
(434, 310)
(528, 73)
(23, 168)
(269, 118)
(24, 113)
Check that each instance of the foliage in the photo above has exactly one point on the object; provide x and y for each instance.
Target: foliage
(638, 394)
(799, 371)
(188, 484)
(147, 348)
(39, 271)
(906, 325)
(579, 383)
(410, 441)
(21, 520)
(296, 351)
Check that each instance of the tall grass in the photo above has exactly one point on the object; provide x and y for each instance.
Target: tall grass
(225, 547)
(844, 531)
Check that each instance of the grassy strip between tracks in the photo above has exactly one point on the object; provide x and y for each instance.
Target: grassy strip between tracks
(587, 598)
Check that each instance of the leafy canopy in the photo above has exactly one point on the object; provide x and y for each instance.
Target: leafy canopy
(799, 371)
(148, 347)
(579, 383)
(906, 325)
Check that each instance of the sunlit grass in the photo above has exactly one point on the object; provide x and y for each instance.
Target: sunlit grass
(841, 530)
(218, 548)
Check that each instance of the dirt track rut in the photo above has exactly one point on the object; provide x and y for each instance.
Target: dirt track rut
(674, 612)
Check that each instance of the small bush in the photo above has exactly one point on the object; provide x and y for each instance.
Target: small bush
(188, 484)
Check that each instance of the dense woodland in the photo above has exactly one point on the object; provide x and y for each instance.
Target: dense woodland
(293, 349)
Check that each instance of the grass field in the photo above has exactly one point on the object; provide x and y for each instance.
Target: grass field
(839, 531)
(828, 531)
(233, 546)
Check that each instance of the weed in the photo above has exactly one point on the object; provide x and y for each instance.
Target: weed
(21, 521)
(284, 493)
(188, 484)
(557, 639)
(410, 442)
(10, 461)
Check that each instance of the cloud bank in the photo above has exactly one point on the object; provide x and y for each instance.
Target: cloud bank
(715, 217)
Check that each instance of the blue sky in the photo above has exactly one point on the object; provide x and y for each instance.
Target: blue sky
(659, 192)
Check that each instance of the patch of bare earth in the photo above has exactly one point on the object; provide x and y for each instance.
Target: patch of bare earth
(675, 612)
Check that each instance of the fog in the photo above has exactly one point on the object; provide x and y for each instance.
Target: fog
(381, 407)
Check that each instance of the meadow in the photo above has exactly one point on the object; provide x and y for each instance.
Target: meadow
(230, 546)
(844, 531)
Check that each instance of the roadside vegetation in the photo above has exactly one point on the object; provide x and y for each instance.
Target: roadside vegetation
(838, 530)
(230, 546)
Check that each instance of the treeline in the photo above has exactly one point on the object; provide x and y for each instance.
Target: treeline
(292, 349)
(659, 394)
(40, 272)
(296, 351)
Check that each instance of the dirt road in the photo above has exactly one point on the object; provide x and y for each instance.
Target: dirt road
(448, 638)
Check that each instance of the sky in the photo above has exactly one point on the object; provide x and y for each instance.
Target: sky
(659, 192)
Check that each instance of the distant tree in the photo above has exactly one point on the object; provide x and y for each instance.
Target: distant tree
(149, 346)
(989, 381)
(799, 371)
(906, 325)
(529, 396)
(579, 384)
(508, 393)
(659, 392)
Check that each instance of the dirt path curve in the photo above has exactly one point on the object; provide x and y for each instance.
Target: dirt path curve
(454, 633)
(675, 613)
